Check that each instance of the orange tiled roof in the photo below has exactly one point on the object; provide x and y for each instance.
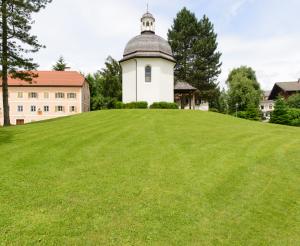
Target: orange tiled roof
(51, 78)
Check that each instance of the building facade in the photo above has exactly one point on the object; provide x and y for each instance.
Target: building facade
(266, 106)
(52, 94)
(148, 66)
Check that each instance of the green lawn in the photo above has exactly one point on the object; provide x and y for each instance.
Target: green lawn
(137, 177)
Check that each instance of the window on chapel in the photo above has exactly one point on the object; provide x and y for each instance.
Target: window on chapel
(148, 74)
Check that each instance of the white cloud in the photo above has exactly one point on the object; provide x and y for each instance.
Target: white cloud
(274, 58)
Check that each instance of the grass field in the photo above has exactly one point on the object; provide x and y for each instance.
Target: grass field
(137, 177)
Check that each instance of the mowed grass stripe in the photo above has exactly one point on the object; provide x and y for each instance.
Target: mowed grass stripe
(136, 177)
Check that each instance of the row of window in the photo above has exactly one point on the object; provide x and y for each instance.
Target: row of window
(60, 95)
(46, 108)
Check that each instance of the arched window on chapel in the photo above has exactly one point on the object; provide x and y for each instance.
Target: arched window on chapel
(148, 74)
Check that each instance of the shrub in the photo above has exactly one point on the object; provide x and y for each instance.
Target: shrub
(294, 116)
(136, 105)
(118, 105)
(164, 105)
(294, 101)
(280, 114)
(213, 110)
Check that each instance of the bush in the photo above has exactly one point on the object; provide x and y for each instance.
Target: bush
(164, 105)
(294, 101)
(118, 105)
(280, 114)
(294, 116)
(250, 114)
(213, 110)
(136, 105)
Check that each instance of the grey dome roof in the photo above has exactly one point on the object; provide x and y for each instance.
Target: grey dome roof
(148, 45)
(148, 15)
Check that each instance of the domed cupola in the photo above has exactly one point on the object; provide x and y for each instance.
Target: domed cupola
(147, 23)
(148, 44)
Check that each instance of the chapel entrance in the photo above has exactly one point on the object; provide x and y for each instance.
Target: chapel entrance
(185, 95)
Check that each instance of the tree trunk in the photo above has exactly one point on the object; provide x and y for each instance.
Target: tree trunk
(5, 64)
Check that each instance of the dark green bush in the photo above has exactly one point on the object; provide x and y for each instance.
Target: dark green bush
(118, 105)
(250, 114)
(213, 110)
(164, 105)
(294, 116)
(136, 105)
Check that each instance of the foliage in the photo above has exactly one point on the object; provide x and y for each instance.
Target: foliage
(252, 113)
(182, 38)
(223, 102)
(294, 101)
(17, 43)
(164, 105)
(136, 105)
(244, 89)
(246, 72)
(280, 114)
(294, 115)
(194, 44)
(106, 85)
(214, 110)
(284, 115)
(60, 65)
(149, 177)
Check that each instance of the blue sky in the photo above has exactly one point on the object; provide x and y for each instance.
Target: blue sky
(264, 34)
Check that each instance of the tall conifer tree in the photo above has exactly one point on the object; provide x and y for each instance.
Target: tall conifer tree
(182, 37)
(194, 44)
(17, 43)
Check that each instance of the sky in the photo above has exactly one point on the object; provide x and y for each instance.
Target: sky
(263, 34)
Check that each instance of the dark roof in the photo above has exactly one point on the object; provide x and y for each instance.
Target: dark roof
(289, 86)
(148, 45)
(286, 87)
(184, 86)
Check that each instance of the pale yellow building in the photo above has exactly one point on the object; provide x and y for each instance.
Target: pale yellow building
(52, 94)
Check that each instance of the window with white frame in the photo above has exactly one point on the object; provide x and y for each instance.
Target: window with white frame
(71, 95)
(148, 74)
(59, 95)
(20, 108)
(46, 95)
(33, 108)
(72, 108)
(32, 95)
(59, 109)
(271, 106)
(20, 94)
(46, 108)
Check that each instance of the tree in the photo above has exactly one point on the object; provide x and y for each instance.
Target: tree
(294, 101)
(194, 44)
(106, 85)
(207, 65)
(182, 38)
(60, 65)
(244, 90)
(17, 43)
(246, 72)
(280, 115)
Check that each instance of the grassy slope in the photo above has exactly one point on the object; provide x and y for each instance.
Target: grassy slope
(150, 177)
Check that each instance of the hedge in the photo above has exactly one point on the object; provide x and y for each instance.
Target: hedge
(164, 105)
(131, 105)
